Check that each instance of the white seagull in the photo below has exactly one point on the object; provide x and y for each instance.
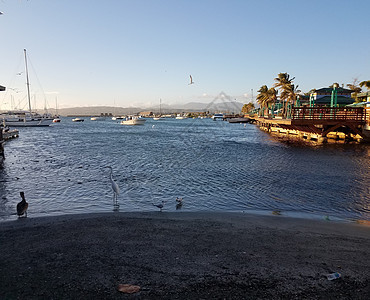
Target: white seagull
(191, 80)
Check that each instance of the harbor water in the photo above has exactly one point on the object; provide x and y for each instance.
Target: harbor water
(213, 165)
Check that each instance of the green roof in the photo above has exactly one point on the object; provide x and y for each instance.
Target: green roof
(329, 90)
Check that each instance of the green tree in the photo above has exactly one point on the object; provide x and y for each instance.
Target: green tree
(365, 84)
(355, 88)
(262, 97)
(285, 85)
(290, 93)
(266, 97)
(247, 107)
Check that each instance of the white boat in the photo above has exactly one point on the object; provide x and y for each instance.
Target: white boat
(239, 120)
(97, 118)
(56, 117)
(77, 120)
(180, 117)
(160, 112)
(218, 117)
(118, 118)
(133, 121)
(26, 118)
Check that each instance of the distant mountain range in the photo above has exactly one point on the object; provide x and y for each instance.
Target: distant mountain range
(225, 107)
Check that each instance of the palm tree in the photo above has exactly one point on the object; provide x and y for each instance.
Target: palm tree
(290, 93)
(284, 84)
(266, 97)
(354, 86)
(272, 94)
(365, 84)
(262, 97)
(247, 107)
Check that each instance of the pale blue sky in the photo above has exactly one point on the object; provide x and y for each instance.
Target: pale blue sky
(136, 52)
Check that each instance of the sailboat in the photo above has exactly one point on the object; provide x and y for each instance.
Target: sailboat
(160, 112)
(26, 118)
(56, 117)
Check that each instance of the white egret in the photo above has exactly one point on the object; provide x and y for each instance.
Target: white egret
(22, 206)
(115, 187)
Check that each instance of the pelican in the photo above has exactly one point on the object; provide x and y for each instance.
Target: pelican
(160, 205)
(115, 187)
(191, 80)
(22, 206)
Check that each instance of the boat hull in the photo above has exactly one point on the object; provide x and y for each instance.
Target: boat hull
(133, 122)
(28, 123)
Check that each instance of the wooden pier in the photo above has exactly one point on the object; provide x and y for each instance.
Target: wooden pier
(320, 123)
(6, 134)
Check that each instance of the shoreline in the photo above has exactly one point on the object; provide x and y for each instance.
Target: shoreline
(183, 255)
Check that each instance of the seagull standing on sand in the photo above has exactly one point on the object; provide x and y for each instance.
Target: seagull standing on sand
(115, 187)
(191, 80)
(22, 206)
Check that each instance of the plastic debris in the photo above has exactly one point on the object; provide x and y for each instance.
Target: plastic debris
(128, 288)
(276, 212)
(363, 222)
(333, 276)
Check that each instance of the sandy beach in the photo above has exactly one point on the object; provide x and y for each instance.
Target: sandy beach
(183, 256)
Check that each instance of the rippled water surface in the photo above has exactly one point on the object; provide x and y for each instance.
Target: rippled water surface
(213, 165)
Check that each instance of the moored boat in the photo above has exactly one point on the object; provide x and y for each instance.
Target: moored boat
(77, 120)
(117, 118)
(134, 120)
(218, 117)
(239, 120)
(97, 118)
(26, 118)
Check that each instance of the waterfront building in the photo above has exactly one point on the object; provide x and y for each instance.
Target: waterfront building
(146, 113)
(323, 96)
(364, 97)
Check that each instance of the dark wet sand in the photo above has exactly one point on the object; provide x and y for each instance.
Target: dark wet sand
(183, 256)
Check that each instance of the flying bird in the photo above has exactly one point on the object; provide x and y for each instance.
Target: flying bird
(22, 206)
(115, 187)
(191, 80)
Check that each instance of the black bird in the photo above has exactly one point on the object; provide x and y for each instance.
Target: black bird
(160, 205)
(22, 206)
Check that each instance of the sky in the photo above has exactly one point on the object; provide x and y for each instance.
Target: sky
(137, 52)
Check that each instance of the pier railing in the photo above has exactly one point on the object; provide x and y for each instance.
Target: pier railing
(352, 114)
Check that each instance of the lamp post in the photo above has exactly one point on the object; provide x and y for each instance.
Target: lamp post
(334, 96)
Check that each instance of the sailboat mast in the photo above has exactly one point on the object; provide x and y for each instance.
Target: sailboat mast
(27, 81)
